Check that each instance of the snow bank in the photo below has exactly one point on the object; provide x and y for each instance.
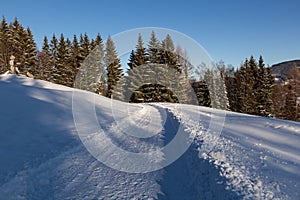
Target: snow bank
(42, 156)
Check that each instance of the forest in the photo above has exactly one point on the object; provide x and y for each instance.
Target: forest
(94, 65)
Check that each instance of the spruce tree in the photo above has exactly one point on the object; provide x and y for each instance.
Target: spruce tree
(54, 49)
(264, 87)
(45, 46)
(279, 100)
(250, 102)
(201, 90)
(133, 81)
(45, 63)
(63, 72)
(183, 59)
(6, 44)
(168, 55)
(242, 86)
(19, 37)
(154, 49)
(113, 67)
(75, 58)
(293, 92)
(140, 53)
(85, 46)
(30, 52)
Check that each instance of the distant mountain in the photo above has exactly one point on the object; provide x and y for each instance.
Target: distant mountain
(282, 70)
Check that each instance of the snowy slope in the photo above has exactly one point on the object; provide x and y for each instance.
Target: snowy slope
(43, 157)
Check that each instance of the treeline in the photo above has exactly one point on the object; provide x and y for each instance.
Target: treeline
(60, 58)
(252, 89)
(286, 96)
(91, 65)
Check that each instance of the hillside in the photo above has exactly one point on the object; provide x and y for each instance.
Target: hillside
(282, 70)
(43, 156)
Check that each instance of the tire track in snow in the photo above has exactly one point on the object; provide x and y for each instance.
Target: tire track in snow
(227, 157)
(190, 177)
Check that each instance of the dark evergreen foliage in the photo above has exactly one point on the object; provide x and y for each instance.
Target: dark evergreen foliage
(250, 89)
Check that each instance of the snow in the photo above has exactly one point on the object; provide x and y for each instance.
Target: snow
(43, 156)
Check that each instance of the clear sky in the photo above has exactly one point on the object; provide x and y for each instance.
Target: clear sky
(228, 30)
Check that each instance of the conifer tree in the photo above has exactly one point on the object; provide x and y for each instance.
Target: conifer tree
(264, 87)
(19, 36)
(75, 58)
(30, 53)
(293, 92)
(54, 49)
(168, 55)
(6, 44)
(85, 46)
(45, 63)
(45, 46)
(241, 88)
(133, 81)
(250, 103)
(279, 100)
(183, 59)
(168, 44)
(253, 86)
(140, 55)
(201, 90)
(113, 67)
(154, 49)
(63, 74)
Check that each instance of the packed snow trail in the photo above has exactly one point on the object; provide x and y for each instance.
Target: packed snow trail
(42, 156)
(258, 156)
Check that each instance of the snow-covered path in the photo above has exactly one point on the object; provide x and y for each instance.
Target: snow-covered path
(259, 157)
(42, 156)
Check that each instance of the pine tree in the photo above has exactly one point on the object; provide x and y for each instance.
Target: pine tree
(293, 92)
(30, 53)
(63, 72)
(113, 67)
(44, 61)
(154, 49)
(253, 86)
(279, 101)
(232, 92)
(168, 55)
(85, 46)
(139, 56)
(242, 84)
(6, 44)
(19, 37)
(187, 67)
(250, 103)
(264, 90)
(54, 49)
(168, 44)
(201, 90)
(159, 62)
(75, 58)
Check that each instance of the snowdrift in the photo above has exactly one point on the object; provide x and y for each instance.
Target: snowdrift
(43, 157)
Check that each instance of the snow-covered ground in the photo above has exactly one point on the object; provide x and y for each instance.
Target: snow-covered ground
(42, 156)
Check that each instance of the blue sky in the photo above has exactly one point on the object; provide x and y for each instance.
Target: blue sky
(228, 30)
